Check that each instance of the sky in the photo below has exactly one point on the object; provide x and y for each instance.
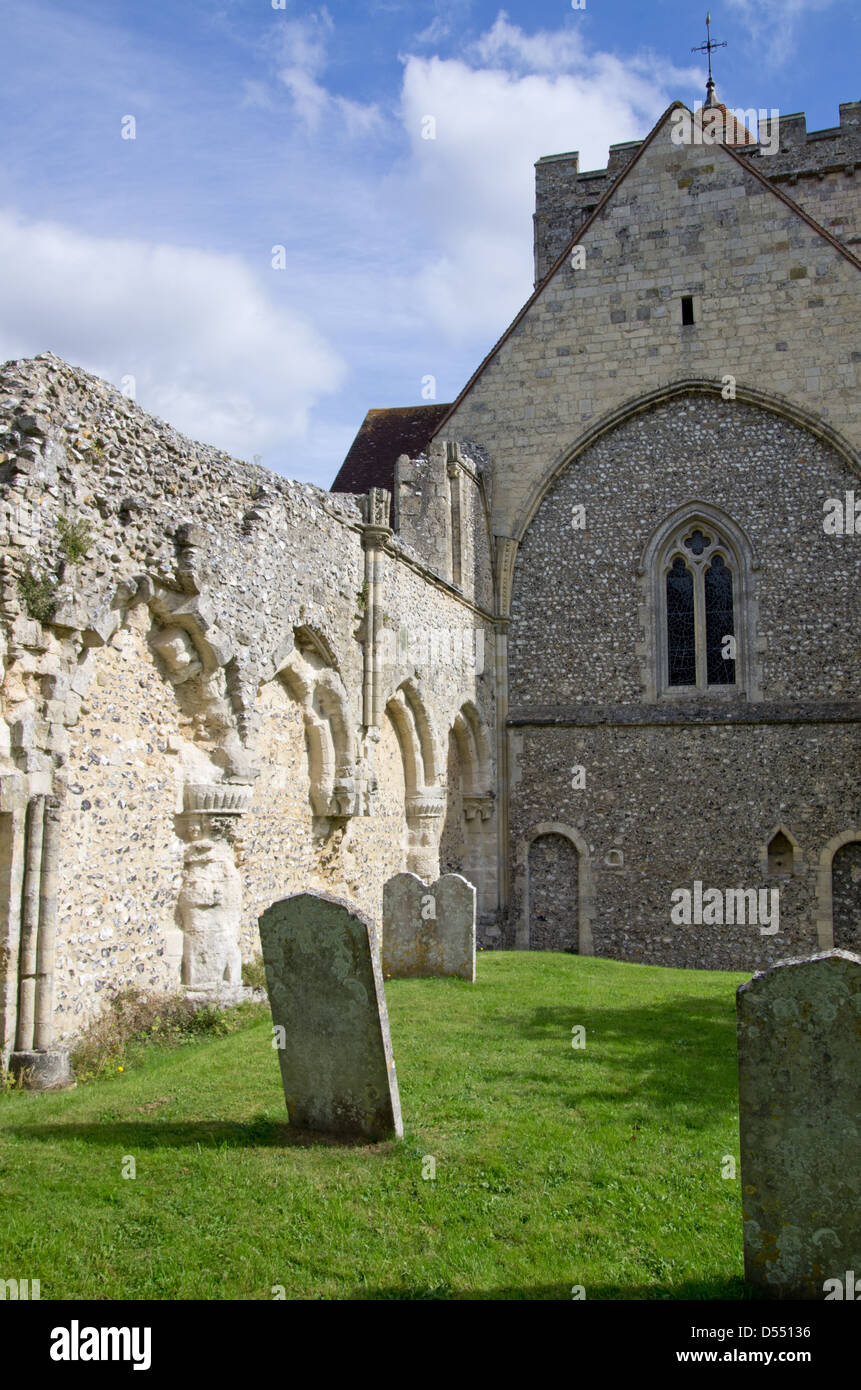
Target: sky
(327, 208)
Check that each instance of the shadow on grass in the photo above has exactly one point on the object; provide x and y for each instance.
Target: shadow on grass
(681, 1052)
(205, 1134)
(699, 1291)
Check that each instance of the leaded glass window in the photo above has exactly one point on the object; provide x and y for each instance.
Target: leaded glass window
(720, 625)
(699, 617)
(681, 648)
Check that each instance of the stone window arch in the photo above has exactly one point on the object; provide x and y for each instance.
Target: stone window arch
(700, 613)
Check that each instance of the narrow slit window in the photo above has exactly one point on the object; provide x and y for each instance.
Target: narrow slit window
(687, 310)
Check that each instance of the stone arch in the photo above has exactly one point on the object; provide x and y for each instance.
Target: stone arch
(767, 852)
(650, 571)
(585, 893)
(469, 822)
(825, 887)
(320, 693)
(750, 395)
(425, 802)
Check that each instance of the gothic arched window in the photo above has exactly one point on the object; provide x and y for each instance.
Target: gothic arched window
(698, 574)
(699, 610)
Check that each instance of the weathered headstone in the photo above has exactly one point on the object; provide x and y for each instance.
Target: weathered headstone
(331, 1026)
(429, 928)
(799, 1062)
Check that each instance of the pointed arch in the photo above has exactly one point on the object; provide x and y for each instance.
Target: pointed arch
(767, 851)
(470, 808)
(731, 546)
(508, 547)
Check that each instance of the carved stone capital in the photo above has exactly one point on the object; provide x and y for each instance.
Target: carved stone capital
(478, 806)
(216, 798)
(427, 805)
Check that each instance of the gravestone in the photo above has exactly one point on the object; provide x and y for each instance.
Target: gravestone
(799, 1062)
(331, 1023)
(429, 928)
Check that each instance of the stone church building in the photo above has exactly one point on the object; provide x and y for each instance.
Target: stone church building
(589, 635)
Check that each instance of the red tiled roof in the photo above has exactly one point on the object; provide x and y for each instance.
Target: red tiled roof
(383, 437)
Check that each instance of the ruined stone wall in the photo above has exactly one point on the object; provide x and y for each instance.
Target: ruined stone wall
(197, 666)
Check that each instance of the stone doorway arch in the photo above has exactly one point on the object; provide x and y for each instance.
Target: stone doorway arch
(557, 908)
(838, 921)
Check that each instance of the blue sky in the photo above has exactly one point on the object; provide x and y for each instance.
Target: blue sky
(302, 127)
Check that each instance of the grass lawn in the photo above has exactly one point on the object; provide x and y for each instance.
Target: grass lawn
(555, 1166)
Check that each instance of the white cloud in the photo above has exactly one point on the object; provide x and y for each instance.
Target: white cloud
(303, 55)
(208, 349)
(506, 45)
(775, 25)
(544, 94)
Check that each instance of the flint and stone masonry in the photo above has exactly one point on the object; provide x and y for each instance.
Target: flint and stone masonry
(799, 1069)
(220, 687)
(331, 1026)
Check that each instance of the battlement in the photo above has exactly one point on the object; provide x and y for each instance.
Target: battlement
(816, 168)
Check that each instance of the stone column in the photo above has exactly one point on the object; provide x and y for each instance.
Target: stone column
(30, 925)
(477, 813)
(453, 470)
(13, 816)
(43, 1065)
(375, 533)
(503, 818)
(425, 813)
(43, 1035)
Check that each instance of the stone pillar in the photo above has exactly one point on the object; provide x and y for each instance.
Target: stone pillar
(42, 1065)
(481, 843)
(425, 813)
(375, 533)
(12, 841)
(453, 471)
(43, 1035)
(799, 1087)
(29, 925)
(503, 766)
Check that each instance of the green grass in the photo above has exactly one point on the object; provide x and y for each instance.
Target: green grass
(555, 1167)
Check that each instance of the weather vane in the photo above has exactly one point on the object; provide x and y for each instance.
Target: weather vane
(707, 48)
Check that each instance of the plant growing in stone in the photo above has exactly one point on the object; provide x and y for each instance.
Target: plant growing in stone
(75, 537)
(38, 594)
(254, 973)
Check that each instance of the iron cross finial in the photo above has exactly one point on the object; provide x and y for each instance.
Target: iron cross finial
(707, 48)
